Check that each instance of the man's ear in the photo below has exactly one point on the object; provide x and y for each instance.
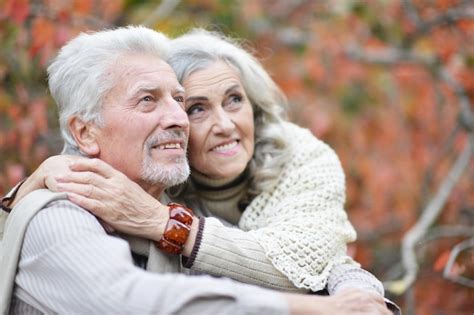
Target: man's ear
(85, 135)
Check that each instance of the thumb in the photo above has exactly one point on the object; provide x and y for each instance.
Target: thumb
(51, 183)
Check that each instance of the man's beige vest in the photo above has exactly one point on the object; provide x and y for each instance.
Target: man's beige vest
(12, 232)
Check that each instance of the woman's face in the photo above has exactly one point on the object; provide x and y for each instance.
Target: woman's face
(221, 141)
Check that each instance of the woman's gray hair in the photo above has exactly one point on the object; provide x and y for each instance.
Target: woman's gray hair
(197, 50)
(78, 78)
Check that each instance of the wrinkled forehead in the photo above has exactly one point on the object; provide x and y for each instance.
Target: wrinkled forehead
(133, 71)
(133, 64)
(217, 73)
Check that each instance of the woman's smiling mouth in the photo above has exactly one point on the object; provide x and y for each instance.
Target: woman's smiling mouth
(228, 148)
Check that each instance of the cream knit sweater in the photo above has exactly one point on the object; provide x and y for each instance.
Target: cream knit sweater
(288, 238)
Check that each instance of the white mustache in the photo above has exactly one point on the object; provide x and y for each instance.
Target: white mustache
(166, 136)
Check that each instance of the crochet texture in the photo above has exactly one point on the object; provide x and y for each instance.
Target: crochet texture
(302, 224)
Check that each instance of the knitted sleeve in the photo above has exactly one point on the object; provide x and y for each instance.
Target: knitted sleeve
(233, 253)
(302, 225)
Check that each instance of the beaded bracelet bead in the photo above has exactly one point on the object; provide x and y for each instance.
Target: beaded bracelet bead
(177, 229)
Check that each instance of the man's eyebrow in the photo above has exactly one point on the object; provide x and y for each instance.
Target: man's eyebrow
(152, 89)
(142, 89)
(180, 90)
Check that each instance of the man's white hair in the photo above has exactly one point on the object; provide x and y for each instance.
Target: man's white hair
(78, 78)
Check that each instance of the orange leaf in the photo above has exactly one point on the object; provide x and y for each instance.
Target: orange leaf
(442, 260)
(82, 7)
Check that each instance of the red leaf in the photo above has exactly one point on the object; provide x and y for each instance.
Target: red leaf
(442, 260)
(18, 10)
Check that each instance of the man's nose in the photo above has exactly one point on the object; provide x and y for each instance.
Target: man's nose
(174, 115)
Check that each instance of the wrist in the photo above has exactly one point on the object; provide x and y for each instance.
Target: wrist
(177, 230)
(189, 245)
(306, 304)
(158, 226)
(18, 193)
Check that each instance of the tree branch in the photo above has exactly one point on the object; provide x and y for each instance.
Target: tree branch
(464, 11)
(447, 231)
(412, 13)
(466, 117)
(163, 10)
(428, 216)
(451, 16)
(389, 56)
(469, 243)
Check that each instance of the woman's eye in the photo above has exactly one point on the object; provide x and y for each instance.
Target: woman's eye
(179, 99)
(235, 98)
(195, 109)
(233, 102)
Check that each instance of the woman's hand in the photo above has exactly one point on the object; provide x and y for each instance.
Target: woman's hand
(347, 302)
(357, 301)
(114, 198)
(43, 177)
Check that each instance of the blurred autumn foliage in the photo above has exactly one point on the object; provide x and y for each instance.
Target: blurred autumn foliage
(389, 84)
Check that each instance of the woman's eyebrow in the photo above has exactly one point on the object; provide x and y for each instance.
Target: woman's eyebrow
(196, 98)
(230, 89)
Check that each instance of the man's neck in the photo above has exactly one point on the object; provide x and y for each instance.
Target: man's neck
(153, 190)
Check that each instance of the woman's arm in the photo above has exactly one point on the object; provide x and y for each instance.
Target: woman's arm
(69, 264)
(42, 177)
(221, 251)
(111, 196)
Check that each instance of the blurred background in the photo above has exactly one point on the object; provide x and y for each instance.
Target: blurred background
(388, 84)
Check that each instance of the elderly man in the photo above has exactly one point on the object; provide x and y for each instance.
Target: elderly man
(121, 103)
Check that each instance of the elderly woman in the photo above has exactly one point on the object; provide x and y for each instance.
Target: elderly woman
(283, 188)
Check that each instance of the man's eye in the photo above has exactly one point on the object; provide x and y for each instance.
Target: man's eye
(147, 98)
(179, 99)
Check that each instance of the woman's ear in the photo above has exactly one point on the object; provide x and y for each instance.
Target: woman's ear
(85, 135)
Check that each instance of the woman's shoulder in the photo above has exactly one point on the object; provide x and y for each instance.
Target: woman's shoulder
(302, 141)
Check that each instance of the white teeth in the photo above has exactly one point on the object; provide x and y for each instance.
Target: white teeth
(169, 146)
(225, 147)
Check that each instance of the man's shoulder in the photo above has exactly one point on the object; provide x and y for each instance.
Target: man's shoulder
(49, 211)
(38, 199)
(64, 213)
(27, 208)
(61, 221)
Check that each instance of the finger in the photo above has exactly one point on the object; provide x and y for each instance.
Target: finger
(51, 183)
(94, 165)
(85, 190)
(90, 205)
(85, 177)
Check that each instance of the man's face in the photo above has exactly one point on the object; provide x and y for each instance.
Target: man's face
(145, 127)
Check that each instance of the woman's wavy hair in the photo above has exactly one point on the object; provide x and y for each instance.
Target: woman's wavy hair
(197, 50)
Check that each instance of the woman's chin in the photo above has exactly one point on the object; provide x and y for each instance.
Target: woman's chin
(227, 172)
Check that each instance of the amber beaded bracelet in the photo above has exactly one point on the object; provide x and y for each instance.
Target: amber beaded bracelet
(177, 229)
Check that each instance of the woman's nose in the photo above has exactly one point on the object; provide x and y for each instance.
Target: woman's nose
(223, 123)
